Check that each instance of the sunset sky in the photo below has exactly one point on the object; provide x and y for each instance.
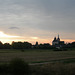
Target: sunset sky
(37, 20)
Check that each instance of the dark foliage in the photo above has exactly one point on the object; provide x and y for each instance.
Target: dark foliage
(27, 45)
(16, 67)
(7, 46)
(4, 68)
(19, 67)
(73, 44)
(1, 45)
(21, 45)
(43, 46)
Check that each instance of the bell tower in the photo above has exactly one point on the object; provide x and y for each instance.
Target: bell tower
(58, 38)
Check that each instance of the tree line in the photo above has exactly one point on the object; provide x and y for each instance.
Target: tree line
(27, 45)
(15, 45)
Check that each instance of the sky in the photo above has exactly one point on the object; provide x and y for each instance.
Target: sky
(37, 20)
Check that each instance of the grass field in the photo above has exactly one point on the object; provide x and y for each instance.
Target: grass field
(37, 56)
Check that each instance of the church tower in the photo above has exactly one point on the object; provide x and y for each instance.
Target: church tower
(57, 42)
(55, 39)
(58, 39)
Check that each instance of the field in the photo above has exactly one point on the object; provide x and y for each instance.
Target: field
(38, 56)
(39, 62)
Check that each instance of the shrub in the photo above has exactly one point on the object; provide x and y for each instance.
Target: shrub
(4, 68)
(19, 67)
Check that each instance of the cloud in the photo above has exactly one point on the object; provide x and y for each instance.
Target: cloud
(14, 28)
(37, 17)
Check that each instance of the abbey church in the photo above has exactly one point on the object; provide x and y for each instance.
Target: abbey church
(57, 42)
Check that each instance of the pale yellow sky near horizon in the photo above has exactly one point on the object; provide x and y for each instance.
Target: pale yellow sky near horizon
(5, 38)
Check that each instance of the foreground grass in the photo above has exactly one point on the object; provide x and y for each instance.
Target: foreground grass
(53, 69)
(20, 67)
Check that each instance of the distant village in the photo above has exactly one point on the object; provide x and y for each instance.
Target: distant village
(57, 44)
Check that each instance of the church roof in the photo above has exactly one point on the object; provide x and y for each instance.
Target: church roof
(56, 39)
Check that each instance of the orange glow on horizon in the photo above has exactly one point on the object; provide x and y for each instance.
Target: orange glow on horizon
(33, 41)
(68, 40)
(5, 38)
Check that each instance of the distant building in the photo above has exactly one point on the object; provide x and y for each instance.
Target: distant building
(57, 43)
(36, 44)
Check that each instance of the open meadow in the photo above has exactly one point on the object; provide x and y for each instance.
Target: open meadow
(37, 62)
(37, 56)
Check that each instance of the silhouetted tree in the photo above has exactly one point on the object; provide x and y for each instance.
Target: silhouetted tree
(21, 45)
(17, 45)
(73, 44)
(7, 46)
(27, 45)
(1, 45)
(44, 46)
